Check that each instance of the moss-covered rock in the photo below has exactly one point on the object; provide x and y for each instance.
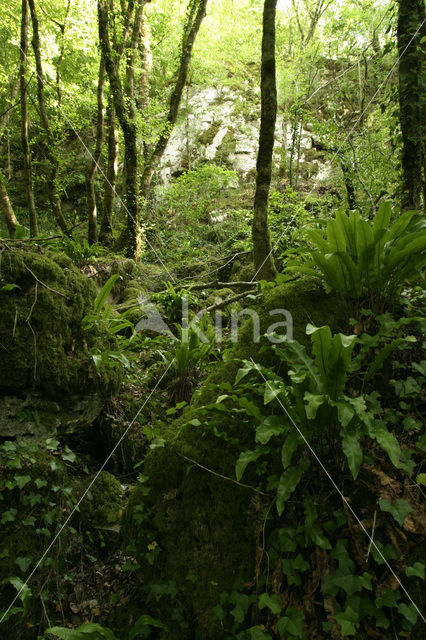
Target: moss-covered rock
(203, 521)
(45, 354)
(104, 504)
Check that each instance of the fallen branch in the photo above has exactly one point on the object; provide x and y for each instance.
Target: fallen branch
(217, 284)
(225, 303)
(43, 284)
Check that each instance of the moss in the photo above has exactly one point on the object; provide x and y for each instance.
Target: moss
(206, 137)
(43, 345)
(104, 502)
(201, 522)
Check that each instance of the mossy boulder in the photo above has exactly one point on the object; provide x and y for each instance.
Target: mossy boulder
(202, 521)
(104, 504)
(45, 354)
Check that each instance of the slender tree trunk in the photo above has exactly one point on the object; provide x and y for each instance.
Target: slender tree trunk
(93, 168)
(105, 233)
(26, 160)
(6, 208)
(196, 13)
(54, 198)
(347, 177)
(126, 116)
(146, 66)
(411, 96)
(262, 253)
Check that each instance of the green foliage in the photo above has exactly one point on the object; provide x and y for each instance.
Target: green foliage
(360, 257)
(88, 631)
(115, 324)
(315, 402)
(192, 197)
(192, 350)
(174, 300)
(80, 252)
(287, 217)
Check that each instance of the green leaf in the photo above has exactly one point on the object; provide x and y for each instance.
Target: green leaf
(409, 612)
(244, 459)
(244, 371)
(88, 631)
(418, 570)
(272, 426)
(23, 563)
(145, 621)
(272, 390)
(347, 620)
(292, 623)
(353, 452)
(387, 441)
(21, 481)
(289, 447)
(287, 484)
(10, 287)
(104, 293)
(312, 528)
(313, 402)
(421, 479)
(273, 603)
(398, 509)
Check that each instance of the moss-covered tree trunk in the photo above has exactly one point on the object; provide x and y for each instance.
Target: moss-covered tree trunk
(93, 167)
(52, 182)
(262, 252)
(411, 15)
(106, 233)
(26, 155)
(195, 14)
(126, 116)
(6, 208)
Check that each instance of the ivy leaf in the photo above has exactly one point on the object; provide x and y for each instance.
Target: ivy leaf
(292, 623)
(418, 570)
(23, 563)
(409, 612)
(398, 509)
(272, 602)
(421, 479)
(347, 620)
(21, 481)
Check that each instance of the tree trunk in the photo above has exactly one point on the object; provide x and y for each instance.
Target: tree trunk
(146, 65)
(411, 14)
(26, 160)
(105, 233)
(262, 253)
(54, 198)
(347, 178)
(6, 209)
(90, 177)
(126, 116)
(196, 13)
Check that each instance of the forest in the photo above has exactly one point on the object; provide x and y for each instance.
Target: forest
(212, 327)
